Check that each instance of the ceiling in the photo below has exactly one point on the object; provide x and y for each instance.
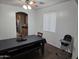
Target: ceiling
(44, 4)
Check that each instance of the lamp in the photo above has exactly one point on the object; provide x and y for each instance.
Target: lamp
(28, 4)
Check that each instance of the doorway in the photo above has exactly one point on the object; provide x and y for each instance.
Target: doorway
(21, 24)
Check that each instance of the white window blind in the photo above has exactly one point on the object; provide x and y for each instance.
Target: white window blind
(49, 22)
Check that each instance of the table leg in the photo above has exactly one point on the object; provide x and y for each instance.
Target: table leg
(42, 48)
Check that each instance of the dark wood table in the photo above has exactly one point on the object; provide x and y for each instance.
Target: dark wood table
(12, 47)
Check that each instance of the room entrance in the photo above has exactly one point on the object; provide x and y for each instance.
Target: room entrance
(21, 24)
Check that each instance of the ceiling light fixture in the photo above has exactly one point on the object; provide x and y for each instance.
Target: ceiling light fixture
(27, 4)
(31, 2)
(24, 6)
(27, 7)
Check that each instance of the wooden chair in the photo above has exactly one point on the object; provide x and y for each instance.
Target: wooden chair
(39, 34)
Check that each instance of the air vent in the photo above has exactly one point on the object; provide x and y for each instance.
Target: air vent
(41, 2)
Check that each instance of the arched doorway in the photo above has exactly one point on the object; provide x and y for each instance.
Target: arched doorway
(21, 24)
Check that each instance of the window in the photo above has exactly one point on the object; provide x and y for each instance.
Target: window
(49, 22)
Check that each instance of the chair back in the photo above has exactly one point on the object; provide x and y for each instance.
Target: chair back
(67, 38)
(39, 34)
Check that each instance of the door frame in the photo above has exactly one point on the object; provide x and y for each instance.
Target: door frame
(26, 15)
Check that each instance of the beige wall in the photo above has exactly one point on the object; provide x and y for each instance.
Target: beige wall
(8, 21)
(66, 23)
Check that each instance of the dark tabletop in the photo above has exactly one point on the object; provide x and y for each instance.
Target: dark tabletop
(10, 43)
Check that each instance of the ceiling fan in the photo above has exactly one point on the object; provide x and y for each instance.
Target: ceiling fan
(29, 4)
